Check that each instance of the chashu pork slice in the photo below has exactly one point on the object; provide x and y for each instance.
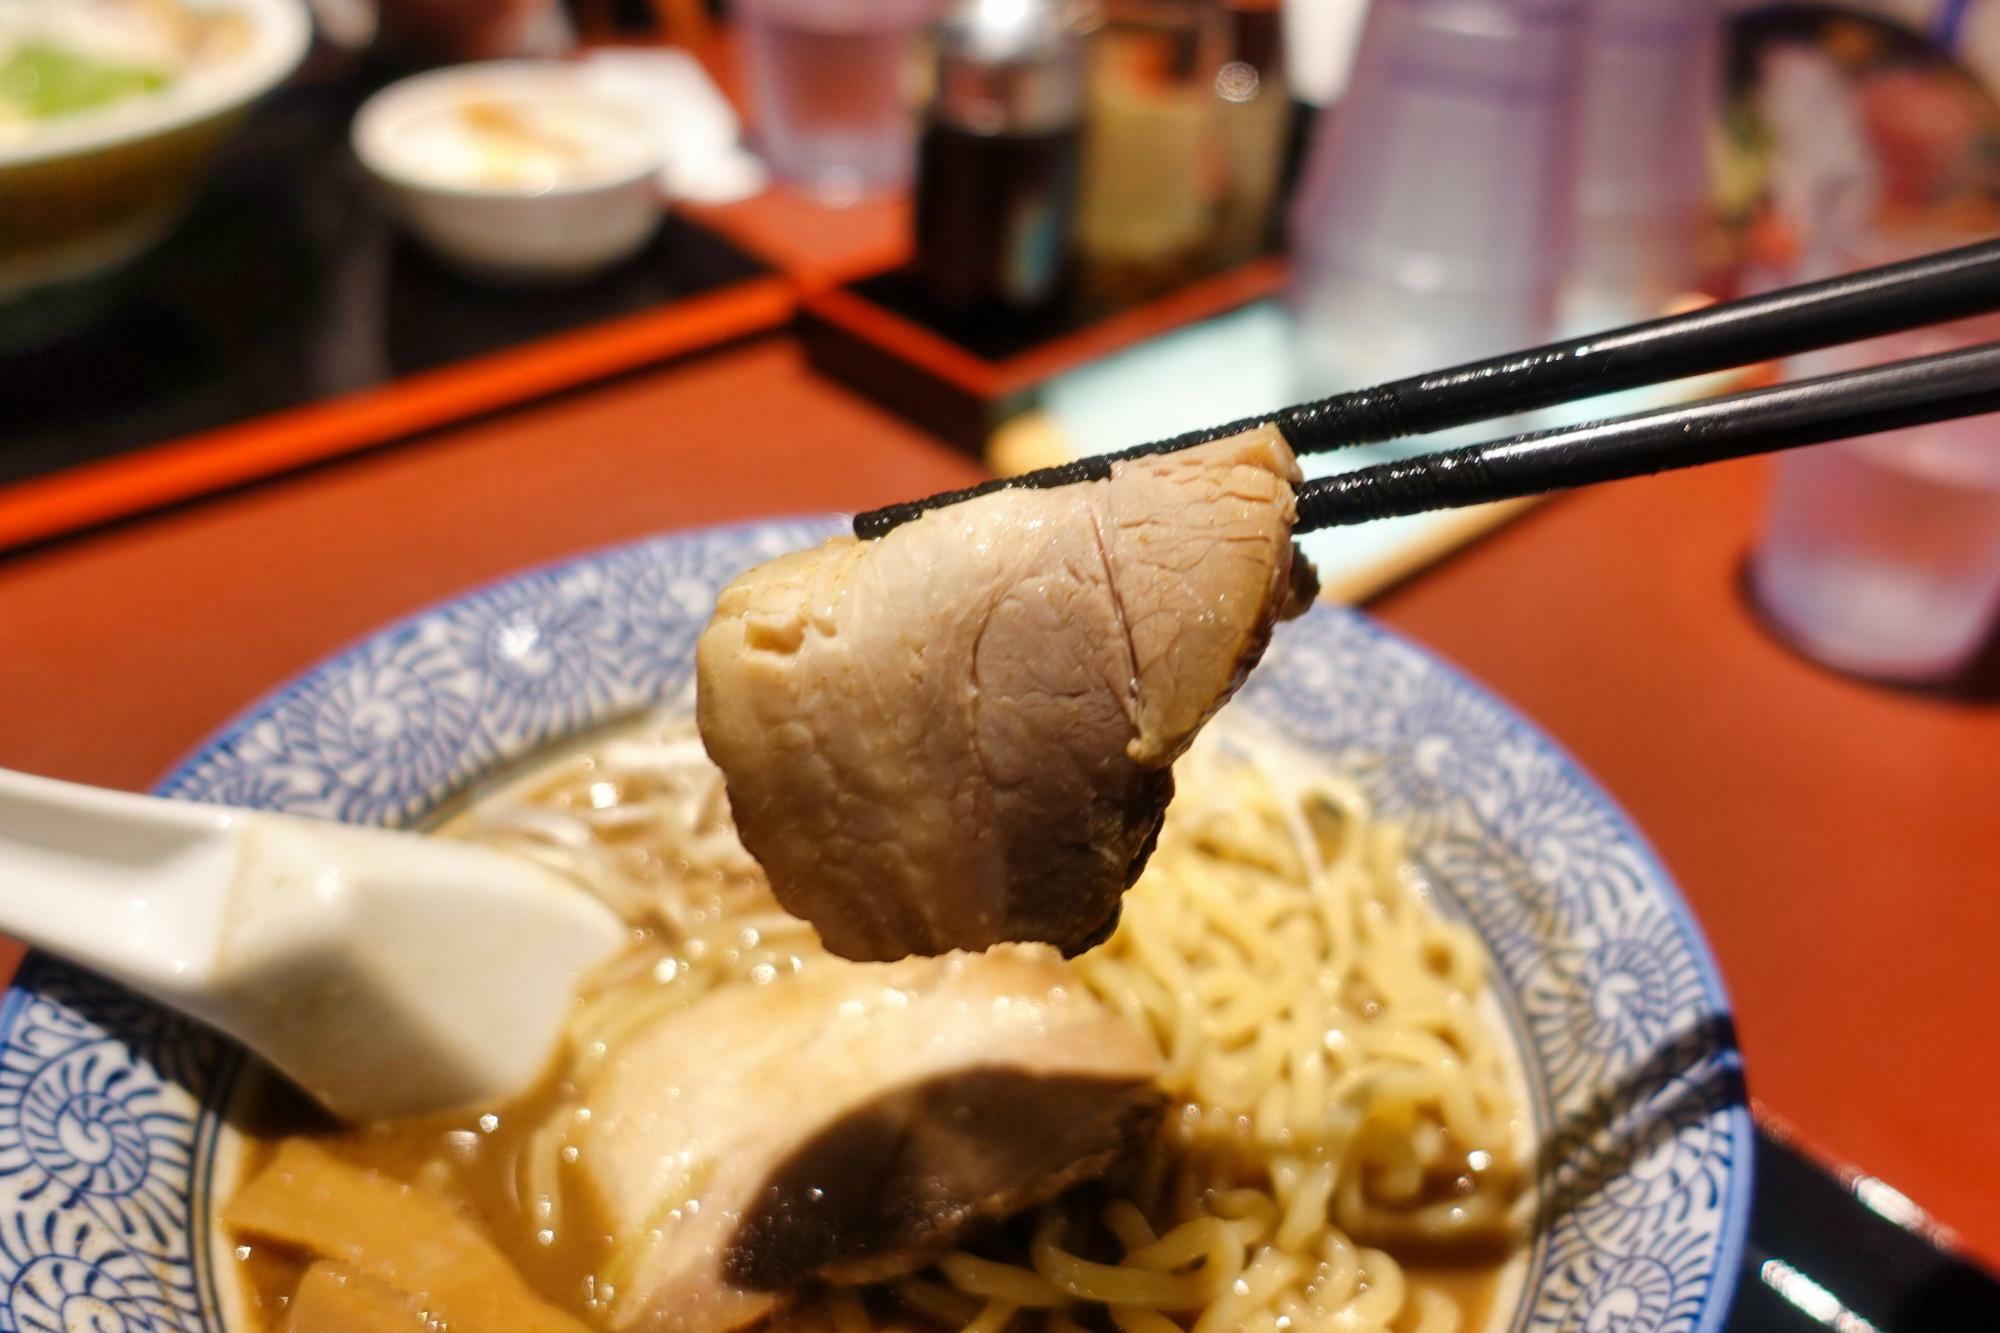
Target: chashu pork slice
(961, 733)
(848, 1124)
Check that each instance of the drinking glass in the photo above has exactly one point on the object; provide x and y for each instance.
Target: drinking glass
(833, 83)
(1881, 556)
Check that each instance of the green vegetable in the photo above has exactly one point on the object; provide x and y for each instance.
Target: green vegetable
(49, 81)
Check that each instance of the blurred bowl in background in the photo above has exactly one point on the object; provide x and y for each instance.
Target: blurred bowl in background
(88, 190)
(520, 171)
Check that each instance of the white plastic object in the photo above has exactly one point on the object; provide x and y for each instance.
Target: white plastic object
(699, 132)
(1651, 74)
(385, 973)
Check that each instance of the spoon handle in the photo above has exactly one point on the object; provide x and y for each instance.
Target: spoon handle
(131, 886)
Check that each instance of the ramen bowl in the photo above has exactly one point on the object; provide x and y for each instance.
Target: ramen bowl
(116, 1139)
(90, 191)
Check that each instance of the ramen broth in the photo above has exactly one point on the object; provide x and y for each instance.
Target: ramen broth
(474, 1160)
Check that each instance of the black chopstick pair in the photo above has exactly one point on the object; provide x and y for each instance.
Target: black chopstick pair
(1932, 289)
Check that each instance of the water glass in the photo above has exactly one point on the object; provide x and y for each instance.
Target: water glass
(834, 82)
(1881, 556)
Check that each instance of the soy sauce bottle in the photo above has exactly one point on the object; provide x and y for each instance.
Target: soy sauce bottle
(997, 161)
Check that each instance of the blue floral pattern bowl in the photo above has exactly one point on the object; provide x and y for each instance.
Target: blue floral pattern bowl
(114, 1149)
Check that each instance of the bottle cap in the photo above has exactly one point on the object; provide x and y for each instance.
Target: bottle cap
(1012, 66)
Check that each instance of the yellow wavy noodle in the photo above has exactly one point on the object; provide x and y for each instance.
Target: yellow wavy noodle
(1319, 1020)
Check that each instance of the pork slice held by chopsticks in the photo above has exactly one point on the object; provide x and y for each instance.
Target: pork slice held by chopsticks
(961, 733)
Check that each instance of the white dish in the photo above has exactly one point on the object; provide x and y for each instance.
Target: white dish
(518, 170)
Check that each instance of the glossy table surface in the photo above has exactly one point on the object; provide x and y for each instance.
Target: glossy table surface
(1840, 842)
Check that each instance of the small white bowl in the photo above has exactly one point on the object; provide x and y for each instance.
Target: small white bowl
(566, 185)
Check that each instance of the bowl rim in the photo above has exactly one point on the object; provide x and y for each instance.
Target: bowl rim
(368, 136)
(284, 33)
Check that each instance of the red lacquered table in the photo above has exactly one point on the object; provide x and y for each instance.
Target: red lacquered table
(1840, 842)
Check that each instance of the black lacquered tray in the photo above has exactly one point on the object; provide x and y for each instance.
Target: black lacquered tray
(290, 295)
